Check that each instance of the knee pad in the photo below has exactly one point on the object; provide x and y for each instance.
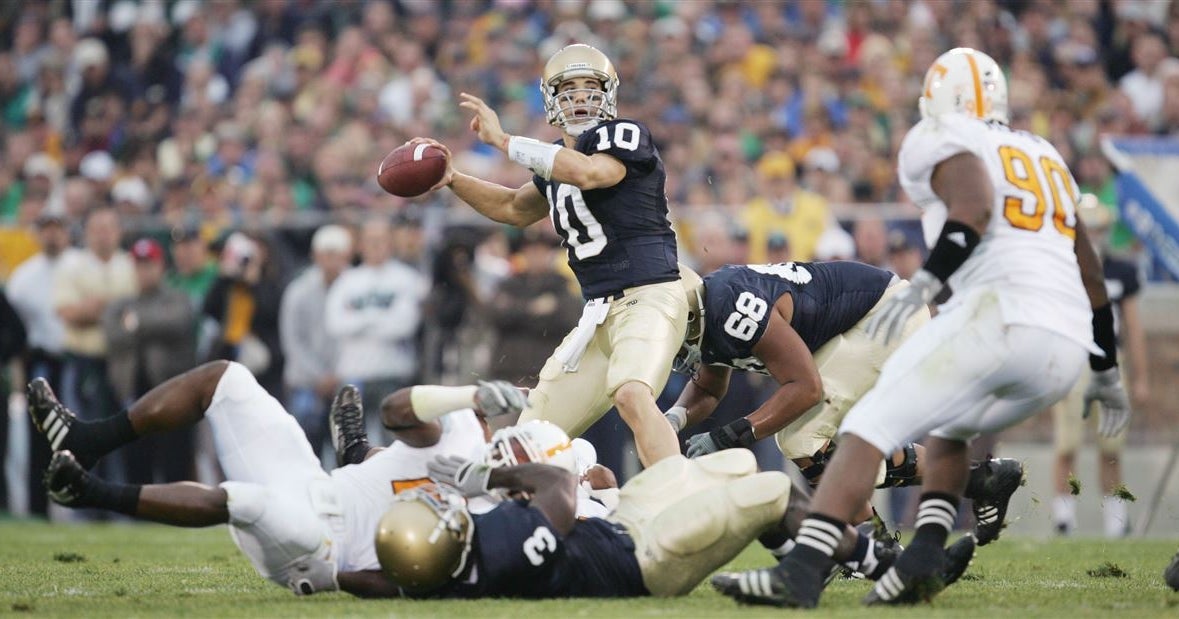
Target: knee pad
(691, 525)
(819, 460)
(729, 462)
(903, 474)
(246, 502)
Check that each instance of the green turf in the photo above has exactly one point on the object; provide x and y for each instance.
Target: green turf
(83, 571)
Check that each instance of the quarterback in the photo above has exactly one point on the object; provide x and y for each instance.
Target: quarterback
(805, 324)
(1028, 302)
(281, 507)
(603, 187)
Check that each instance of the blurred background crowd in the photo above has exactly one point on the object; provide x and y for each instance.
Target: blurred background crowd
(184, 180)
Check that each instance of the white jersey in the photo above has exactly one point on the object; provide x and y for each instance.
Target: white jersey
(1027, 253)
(366, 490)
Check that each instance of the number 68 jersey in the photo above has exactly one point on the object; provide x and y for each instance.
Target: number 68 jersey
(1027, 253)
(617, 237)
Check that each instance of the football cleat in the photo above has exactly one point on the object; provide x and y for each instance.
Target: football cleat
(49, 415)
(791, 584)
(346, 422)
(959, 556)
(1171, 574)
(65, 479)
(911, 579)
(1001, 478)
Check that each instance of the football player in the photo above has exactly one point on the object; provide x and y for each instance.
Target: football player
(675, 522)
(281, 507)
(1029, 300)
(603, 186)
(805, 324)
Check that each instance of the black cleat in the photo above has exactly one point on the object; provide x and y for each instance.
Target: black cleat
(911, 579)
(1000, 478)
(65, 480)
(959, 556)
(1171, 574)
(791, 584)
(50, 416)
(346, 421)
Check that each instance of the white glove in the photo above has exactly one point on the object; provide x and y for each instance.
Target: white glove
(677, 416)
(468, 476)
(890, 320)
(499, 397)
(1106, 387)
(313, 575)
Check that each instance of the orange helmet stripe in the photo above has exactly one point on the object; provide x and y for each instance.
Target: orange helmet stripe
(978, 91)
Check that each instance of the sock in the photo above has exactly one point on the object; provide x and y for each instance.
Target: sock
(1114, 510)
(935, 518)
(817, 539)
(1064, 512)
(91, 440)
(121, 498)
(863, 558)
(776, 542)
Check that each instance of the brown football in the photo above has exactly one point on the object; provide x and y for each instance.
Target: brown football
(411, 169)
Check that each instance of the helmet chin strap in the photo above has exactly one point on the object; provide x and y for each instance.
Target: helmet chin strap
(576, 129)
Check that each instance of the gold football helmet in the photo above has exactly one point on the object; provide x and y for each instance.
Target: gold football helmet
(576, 110)
(688, 359)
(425, 537)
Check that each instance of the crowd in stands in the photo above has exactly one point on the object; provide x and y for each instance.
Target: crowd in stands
(185, 180)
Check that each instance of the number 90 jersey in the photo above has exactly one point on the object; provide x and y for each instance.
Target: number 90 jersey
(617, 237)
(829, 298)
(1027, 251)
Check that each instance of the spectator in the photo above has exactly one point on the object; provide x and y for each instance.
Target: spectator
(871, 238)
(311, 354)
(84, 285)
(13, 339)
(150, 340)
(531, 312)
(244, 302)
(374, 312)
(777, 248)
(782, 207)
(44, 358)
(193, 270)
(904, 256)
(1144, 85)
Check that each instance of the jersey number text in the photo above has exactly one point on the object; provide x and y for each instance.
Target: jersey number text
(742, 324)
(542, 541)
(1018, 168)
(577, 224)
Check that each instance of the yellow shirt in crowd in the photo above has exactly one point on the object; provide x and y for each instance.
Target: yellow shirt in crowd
(802, 224)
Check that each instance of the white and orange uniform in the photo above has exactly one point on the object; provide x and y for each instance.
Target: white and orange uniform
(1015, 335)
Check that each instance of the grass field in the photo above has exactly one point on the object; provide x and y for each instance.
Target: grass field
(84, 571)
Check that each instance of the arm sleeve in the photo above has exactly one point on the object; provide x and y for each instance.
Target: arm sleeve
(626, 140)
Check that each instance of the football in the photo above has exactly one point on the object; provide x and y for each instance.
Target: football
(411, 170)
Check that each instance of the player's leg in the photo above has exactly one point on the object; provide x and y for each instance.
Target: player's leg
(178, 402)
(1113, 507)
(645, 330)
(1041, 368)
(572, 400)
(1068, 430)
(182, 504)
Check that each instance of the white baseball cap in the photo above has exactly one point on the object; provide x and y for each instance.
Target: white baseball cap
(332, 238)
(132, 189)
(97, 165)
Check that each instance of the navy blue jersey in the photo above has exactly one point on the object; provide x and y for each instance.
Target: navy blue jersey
(517, 553)
(829, 298)
(1121, 283)
(619, 236)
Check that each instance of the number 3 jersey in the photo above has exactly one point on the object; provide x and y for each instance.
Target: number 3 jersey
(517, 553)
(829, 298)
(1026, 254)
(616, 237)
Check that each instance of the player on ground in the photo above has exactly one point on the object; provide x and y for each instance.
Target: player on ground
(603, 187)
(675, 522)
(1011, 341)
(805, 324)
(282, 508)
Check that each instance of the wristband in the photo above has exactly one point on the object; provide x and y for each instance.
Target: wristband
(533, 154)
(1106, 339)
(953, 247)
(738, 433)
(430, 402)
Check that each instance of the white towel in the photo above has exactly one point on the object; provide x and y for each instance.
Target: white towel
(593, 314)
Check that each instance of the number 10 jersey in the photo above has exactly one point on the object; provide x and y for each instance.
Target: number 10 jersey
(617, 237)
(1026, 254)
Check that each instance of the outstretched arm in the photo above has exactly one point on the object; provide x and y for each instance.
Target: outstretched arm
(701, 396)
(553, 490)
